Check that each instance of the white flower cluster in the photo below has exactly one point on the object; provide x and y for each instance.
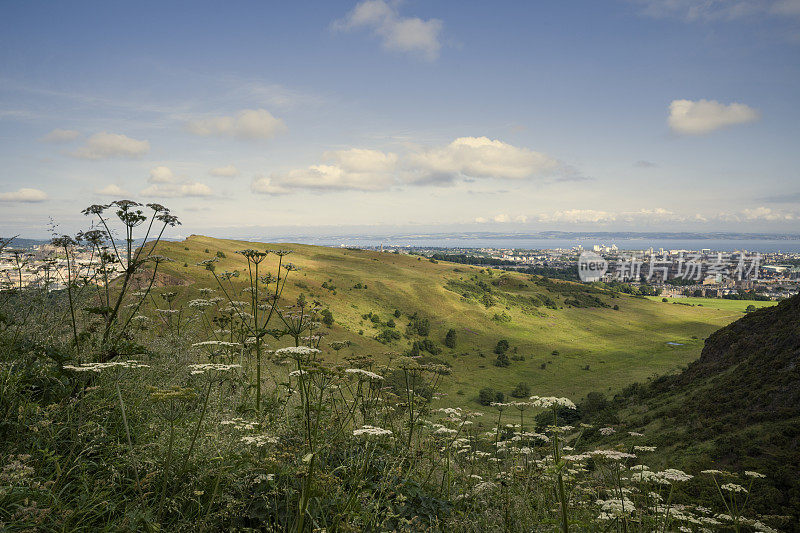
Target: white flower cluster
(295, 350)
(202, 368)
(99, 367)
(371, 431)
(366, 374)
(665, 477)
(223, 344)
(607, 431)
(756, 475)
(200, 303)
(552, 401)
(259, 440)
(615, 507)
(644, 448)
(733, 487)
(240, 423)
(612, 455)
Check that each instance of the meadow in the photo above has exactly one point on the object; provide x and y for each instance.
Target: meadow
(716, 303)
(221, 385)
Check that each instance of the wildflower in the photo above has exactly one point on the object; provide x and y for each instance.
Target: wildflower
(259, 440)
(733, 487)
(607, 431)
(672, 474)
(371, 431)
(293, 351)
(364, 373)
(644, 448)
(211, 367)
(552, 401)
(614, 507)
(613, 455)
(635, 434)
(99, 367)
(756, 475)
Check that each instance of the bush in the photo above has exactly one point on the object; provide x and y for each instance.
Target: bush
(221, 254)
(419, 326)
(502, 347)
(522, 390)
(327, 317)
(502, 360)
(487, 395)
(387, 336)
(450, 338)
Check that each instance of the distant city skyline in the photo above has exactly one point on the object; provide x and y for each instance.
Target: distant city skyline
(441, 116)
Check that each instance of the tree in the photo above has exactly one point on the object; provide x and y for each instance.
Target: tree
(487, 395)
(750, 308)
(327, 317)
(450, 338)
(502, 347)
(522, 390)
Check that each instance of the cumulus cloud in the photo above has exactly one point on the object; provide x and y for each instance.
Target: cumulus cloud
(578, 216)
(165, 184)
(404, 34)
(644, 164)
(265, 185)
(161, 174)
(228, 171)
(112, 190)
(465, 158)
(107, 145)
(767, 214)
(704, 116)
(246, 124)
(479, 157)
(24, 195)
(60, 136)
(354, 169)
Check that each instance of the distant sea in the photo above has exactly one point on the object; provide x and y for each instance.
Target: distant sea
(455, 241)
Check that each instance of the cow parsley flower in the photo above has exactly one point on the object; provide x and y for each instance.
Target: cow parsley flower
(551, 401)
(366, 374)
(733, 487)
(371, 431)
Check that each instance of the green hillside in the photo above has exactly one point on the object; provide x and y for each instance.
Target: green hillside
(564, 338)
(736, 408)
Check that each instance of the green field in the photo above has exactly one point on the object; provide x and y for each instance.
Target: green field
(598, 348)
(716, 303)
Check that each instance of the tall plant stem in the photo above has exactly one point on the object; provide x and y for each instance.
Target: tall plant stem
(128, 436)
(197, 428)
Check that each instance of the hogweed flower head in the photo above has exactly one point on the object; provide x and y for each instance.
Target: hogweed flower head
(552, 401)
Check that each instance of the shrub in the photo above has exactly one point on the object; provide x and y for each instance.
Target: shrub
(487, 395)
(327, 317)
(522, 390)
(450, 338)
(419, 326)
(502, 360)
(221, 254)
(502, 347)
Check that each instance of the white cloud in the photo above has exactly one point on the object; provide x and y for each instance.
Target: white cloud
(718, 10)
(765, 213)
(501, 218)
(264, 185)
(354, 169)
(24, 195)
(161, 174)
(404, 34)
(165, 184)
(246, 124)
(177, 190)
(105, 145)
(703, 116)
(60, 136)
(229, 171)
(112, 190)
(479, 157)
(578, 216)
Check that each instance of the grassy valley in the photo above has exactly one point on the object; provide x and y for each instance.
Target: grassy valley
(564, 339)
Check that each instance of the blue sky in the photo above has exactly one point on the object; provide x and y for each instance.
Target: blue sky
(499, 116)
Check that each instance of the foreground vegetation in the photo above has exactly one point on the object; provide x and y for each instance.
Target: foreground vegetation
(222, 405)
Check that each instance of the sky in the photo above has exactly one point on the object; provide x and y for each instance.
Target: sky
(244, 117)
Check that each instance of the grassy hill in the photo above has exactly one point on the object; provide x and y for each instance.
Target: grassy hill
(737, 407)
(565, 339)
